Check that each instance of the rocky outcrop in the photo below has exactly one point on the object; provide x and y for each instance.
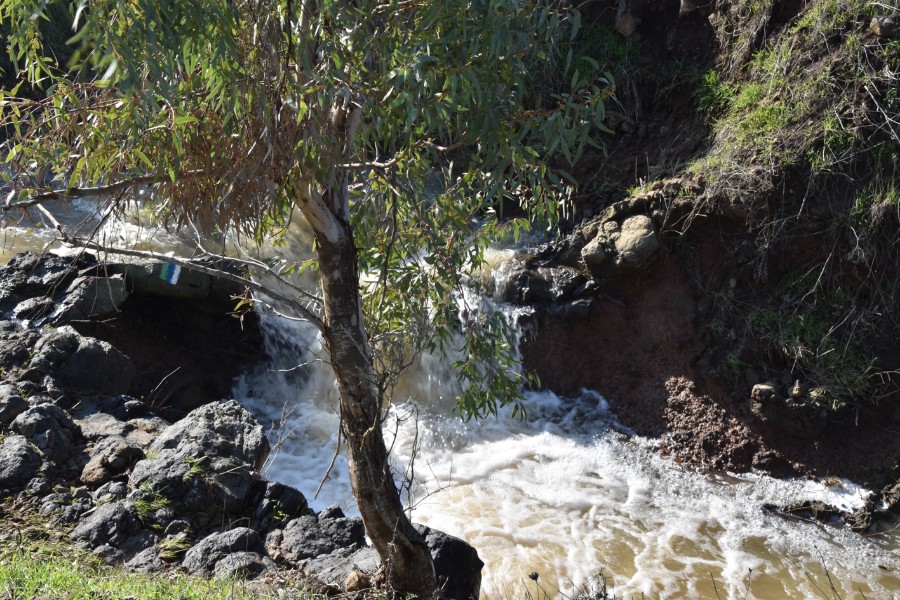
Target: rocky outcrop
(75, 362)
(19, 462)
(566, 276)
(311, 536)
(211, 458)
(182, 347)
(133, 487)
(51, 429)
(109, 524)
(619, 247)
(91, 297)
(799, 411)
(457, 565)
(11, 403)
(31, 277)
(205, 555)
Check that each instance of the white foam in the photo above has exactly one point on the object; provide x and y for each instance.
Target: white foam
(569, 491)
(565, 494)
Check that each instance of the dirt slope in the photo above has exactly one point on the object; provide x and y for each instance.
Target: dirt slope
(768, 135)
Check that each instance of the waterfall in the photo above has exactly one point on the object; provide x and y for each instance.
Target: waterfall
(566, 492)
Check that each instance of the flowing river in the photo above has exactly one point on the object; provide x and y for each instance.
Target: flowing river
(567, 494)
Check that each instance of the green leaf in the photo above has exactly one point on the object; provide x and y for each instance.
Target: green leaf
(576, 25)
(143, 158)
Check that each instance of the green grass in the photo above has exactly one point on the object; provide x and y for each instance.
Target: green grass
(174, 548)
(878, 195)
(196, 468)
(149, 505)
(712, 94)
(606, 46)
(816, 331)
(41, 571)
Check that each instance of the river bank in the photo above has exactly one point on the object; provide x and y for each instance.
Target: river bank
(727, 281)
(144, 465)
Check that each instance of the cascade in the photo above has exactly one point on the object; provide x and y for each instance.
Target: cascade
(566, 492)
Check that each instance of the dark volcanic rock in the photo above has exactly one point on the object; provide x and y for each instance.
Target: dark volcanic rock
(147, 561)
(111, 491)
(213, 548)
(89, 297)
(310, 536)
(184, 347)
(208, 459)
(30, 275)
(457, 565)
(81, 364)
(16, 347)
(11, 403)
(111, 524)
(335, 568)
(181, 477)
(281, 503)
(50, 428)
(101, 425)
(243, 565)
(19, 461)
(33, 308)
(218, 429)
(110, 457)
(807, 415)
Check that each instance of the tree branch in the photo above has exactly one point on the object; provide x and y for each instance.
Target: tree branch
(103, 190)
(301, 310)
(83, 192)
(256, 264)
(323, 222)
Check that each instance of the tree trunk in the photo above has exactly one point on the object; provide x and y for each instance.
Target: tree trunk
(405, 558)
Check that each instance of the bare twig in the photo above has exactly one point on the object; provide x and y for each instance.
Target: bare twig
(337, 451)
(301, 310)
(83, 192)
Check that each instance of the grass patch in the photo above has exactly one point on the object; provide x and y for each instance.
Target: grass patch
(149, 502)
(712, 94)
(58, 571)
(196, 468)
(606, 46)
(815, 331)
(174, 547)
(818, 97)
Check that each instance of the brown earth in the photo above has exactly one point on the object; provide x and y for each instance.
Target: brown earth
(645, 346)
(655, 342)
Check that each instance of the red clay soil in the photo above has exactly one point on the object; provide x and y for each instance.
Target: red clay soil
(645, 347)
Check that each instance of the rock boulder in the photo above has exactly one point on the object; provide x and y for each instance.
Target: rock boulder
(19, 461)
(211, 458)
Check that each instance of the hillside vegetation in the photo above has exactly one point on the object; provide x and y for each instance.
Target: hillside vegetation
(763, 140)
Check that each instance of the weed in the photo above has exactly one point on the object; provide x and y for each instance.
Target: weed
(606, 46)
(712, 94)
(150, 501)
(595, 588)
(57, 570)
(196, 468)
(815, 331)
(174, 547)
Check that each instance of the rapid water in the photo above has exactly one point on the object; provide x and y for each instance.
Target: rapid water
(568, 492)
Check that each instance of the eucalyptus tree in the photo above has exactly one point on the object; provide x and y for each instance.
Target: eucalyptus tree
(397, 129)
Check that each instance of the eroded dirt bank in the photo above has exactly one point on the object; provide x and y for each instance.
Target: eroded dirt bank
(650, 343)
(733, 259)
